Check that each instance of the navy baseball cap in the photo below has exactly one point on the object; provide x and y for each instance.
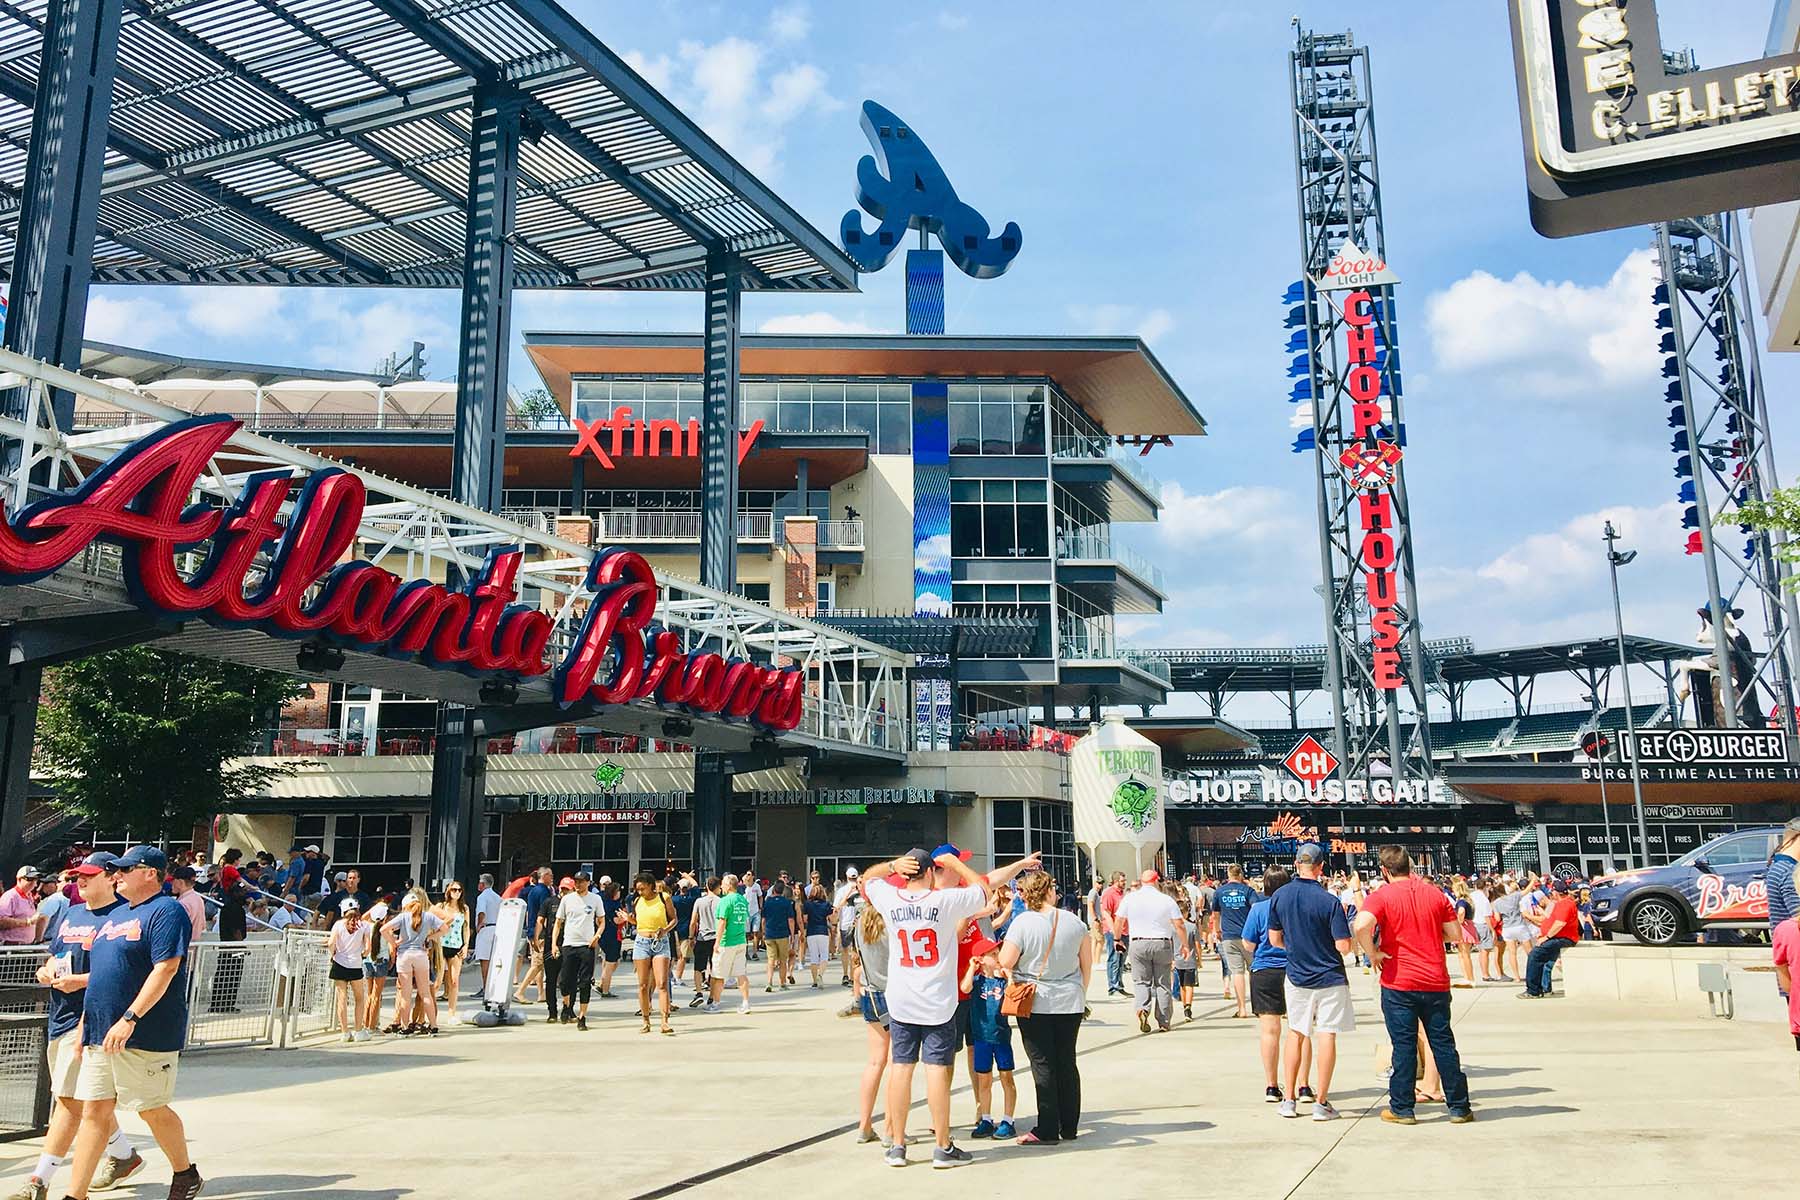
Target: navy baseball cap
(1309, 853)
(143, 856)
(947, 848)
(97, 863)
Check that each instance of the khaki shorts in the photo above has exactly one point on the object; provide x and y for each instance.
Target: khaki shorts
(728, 963)
(137, 1079)
(778, 949)
(65, 1064)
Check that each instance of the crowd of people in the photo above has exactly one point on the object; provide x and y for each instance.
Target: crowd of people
(1285, 942)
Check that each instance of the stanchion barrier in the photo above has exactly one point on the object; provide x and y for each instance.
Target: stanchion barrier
(24, 1022)
(309, 1004)
(234, 991)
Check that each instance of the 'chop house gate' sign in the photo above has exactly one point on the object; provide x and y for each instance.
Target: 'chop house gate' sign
(140, 500)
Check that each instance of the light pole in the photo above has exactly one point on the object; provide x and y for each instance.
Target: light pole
(1599, 744)
(1615, 559)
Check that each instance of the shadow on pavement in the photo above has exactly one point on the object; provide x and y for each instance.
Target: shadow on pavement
(259, 1070)
(307, 1187)
(1484, 1113)
(1097, 1135)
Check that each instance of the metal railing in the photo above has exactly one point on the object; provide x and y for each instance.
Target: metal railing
(637, 525)
(308, 1006)
(1101, 448)
(840, 535)
(274, 419)
(233, 993)
(24, 1023)
(1099, 546)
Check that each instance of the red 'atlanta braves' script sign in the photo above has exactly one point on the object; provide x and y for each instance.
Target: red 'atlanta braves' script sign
(140, 501)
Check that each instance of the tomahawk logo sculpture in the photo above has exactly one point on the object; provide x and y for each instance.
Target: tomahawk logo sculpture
(902, 186)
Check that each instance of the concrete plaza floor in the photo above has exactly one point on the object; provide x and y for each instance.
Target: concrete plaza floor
(1599, 1097)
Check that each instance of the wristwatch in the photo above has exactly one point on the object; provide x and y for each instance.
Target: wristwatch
(130, 1016)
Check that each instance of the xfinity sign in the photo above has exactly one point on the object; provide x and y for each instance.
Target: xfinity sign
(1703, 747)
(1613, 137)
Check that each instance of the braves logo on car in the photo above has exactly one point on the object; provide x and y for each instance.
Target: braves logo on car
(1721, 901)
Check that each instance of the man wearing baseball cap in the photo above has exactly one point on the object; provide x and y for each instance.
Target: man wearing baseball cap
(1309, 923)
(924, 898)
(18, 909)
(65, 972)
(135, 1021)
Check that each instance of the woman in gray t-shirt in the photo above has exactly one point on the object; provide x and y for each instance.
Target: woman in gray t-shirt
(1049, 946)
(872, 958)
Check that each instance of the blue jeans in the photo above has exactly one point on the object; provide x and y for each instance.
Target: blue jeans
(1404, 1012)
(1115, 965)
(1540, 965)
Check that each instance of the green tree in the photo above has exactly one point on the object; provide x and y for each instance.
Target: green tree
(538, 406)
(141, 738)
(1779, 513)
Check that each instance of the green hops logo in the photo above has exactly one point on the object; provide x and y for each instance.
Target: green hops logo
(1133, 804)
(609, 775)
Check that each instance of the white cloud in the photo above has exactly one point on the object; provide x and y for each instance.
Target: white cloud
(954, 22)
(235, 311)
(821, 323)
(790, 24)
(1116, 319)
(129, 322)
(932, 556)
(1555, 338)
(932, 604)
(736, 94)
(1253, 513)
(1571, 557)
(341, 331)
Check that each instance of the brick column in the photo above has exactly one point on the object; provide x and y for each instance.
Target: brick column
(800, 568)
(576, 529)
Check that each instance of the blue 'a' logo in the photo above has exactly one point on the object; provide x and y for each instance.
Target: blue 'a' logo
(914, 193)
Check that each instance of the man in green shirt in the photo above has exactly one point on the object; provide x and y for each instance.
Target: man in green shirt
(730, 952)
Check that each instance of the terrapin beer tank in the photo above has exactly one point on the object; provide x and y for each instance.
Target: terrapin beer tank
(1116, 777)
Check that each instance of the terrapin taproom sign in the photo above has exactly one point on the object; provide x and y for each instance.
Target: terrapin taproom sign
(287, 574)
(1617, 135)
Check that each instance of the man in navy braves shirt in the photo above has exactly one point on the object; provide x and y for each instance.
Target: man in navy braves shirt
(136, 1021)
(65, 972)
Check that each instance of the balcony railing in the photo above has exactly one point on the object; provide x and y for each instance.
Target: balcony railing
(840, 535)
(1098, 546)
(636, 525)
(1100, 448)
(275, 420)
(385, 742)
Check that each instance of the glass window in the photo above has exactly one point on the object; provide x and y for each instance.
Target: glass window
(965, 530)
(896, 393)
(789, 390)
(1034, 530)
(997, 534)
(965, 428)
(795, 417)
(965, 593)
(996, 428)
(593, 389)
(1034, 591)
(757, 393)
(860, 417)
(965, 491)
(1000, 490)
(828, 415)
(627, 391)
(896, 429)
(1033, 491)
(757, 410)
(865, 393)
(659, 391)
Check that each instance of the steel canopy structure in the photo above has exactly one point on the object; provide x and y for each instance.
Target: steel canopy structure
(327, 143)
(477, 144)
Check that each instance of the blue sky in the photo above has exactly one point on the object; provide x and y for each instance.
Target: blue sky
(1145, 151)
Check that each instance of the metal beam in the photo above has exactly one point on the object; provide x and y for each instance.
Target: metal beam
(718, 427)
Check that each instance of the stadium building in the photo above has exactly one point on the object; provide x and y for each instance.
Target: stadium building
(1046, 464)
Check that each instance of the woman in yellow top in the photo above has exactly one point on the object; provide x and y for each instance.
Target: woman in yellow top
(650, 951)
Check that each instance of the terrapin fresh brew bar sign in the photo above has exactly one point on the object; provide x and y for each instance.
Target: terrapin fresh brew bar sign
(282, 570)
(1614, 136)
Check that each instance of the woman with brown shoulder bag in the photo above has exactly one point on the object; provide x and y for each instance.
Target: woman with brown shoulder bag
(1051, 959)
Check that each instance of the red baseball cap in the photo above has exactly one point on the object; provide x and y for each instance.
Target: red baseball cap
(566, 884)
(983, 945)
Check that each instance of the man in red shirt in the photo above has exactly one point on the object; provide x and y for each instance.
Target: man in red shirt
(1402, 926)
(1558, 929)
(1115, 944)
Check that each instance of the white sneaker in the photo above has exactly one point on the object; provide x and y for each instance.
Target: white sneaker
(362, 1035)
(710, 1008)
(349, 1036)
(1288, 1108)
(1323, 1111)
(744, 1008)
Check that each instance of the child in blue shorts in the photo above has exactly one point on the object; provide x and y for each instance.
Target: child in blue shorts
(990, 1039)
